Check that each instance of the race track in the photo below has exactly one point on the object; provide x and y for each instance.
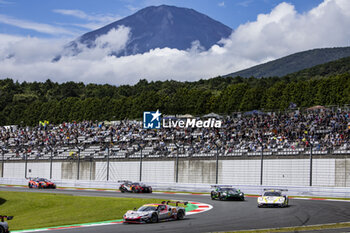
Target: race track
(225, 215)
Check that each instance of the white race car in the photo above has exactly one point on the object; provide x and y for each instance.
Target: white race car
(273, 198)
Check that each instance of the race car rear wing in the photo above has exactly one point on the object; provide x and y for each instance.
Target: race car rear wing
(221, 186)
(124, 181)
(273, 190)
(2, 217)
(175, 202)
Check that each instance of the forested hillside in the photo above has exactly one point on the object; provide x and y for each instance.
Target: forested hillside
(27, 103)
(294, 62)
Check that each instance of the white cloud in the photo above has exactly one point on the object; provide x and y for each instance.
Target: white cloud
(245, 3)
(281, 32)
(94, 21)
(5, 2)
(39, 27)
(221, 4)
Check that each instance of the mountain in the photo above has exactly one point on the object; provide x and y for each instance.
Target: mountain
(332, 68)
(160, 27)
(294, 63)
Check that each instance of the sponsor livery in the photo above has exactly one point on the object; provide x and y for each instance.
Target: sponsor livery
(152, 213)
(41, 183)
(226, 192)
(273, 198)
(134, 187)
(4, 227)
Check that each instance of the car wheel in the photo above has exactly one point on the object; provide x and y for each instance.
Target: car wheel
(29, 186)
(212, 195)
(180, 215)
(133, 190)
(154, 218)
(121, 190)
(2, 230)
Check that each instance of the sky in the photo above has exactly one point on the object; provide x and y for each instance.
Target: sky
(33, 32)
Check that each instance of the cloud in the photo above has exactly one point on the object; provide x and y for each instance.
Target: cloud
(39, 27)
(94, 21)
(281, 32)
(221, 4)
(245, 3)
(5, 2)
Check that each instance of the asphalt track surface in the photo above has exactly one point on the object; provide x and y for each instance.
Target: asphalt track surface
(225, 215)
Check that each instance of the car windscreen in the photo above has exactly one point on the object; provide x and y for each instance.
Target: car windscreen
(147, 208)
(228, 189)
(42, 179)
(272, 194)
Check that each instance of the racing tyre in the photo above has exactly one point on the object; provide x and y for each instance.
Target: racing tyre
(30, 186)
(133, 190)
(154, 218)
(212, 196)
(2, 230)
(122, 190)
(180, 215)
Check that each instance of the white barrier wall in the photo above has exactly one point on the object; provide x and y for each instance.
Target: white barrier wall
(240, 172)
(326, 172)
(14, 170)
(153, 171)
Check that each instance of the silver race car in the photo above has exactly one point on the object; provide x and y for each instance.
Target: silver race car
(273, 198)
(152, 213)
(4, 227)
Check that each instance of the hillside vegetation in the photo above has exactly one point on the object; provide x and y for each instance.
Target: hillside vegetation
(294, 62)
(27, 103)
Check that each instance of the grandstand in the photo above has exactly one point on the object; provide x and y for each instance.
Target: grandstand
(324, 131)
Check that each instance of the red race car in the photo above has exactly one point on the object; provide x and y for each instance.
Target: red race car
(41, 183)
(128, 186)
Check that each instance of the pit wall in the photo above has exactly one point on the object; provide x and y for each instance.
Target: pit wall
(279, 172)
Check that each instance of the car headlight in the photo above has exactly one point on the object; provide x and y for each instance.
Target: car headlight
(224, 194)
(241, 194)
(281, 199)
(260, 199)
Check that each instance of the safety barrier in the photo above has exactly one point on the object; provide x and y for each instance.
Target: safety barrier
(182, 187)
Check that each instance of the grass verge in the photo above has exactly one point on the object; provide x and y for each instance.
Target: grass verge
(39, 210)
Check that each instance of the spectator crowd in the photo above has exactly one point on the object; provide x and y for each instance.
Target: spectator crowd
(323, 129)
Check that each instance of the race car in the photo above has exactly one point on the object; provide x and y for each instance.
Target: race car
(4, 227)
(273, 198)
(152, 213)
(128, 186)
(41, 183)
(226, 192)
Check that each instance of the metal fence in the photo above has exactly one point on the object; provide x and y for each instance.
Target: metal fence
(138, 162)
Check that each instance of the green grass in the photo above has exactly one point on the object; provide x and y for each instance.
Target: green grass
(38, 210)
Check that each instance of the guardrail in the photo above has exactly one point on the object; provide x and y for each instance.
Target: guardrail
(198, 187)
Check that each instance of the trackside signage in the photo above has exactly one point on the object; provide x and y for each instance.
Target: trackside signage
(152, 120)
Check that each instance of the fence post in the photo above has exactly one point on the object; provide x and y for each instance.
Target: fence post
(107, 163)
(141, 165)
(78, 163)
(25, 165)
(217, 165)
(3, 160)
(261, 165)
(177, 162)
(310, 164)
(51, 164)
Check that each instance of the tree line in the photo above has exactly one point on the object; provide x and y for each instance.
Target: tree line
(28, 103)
